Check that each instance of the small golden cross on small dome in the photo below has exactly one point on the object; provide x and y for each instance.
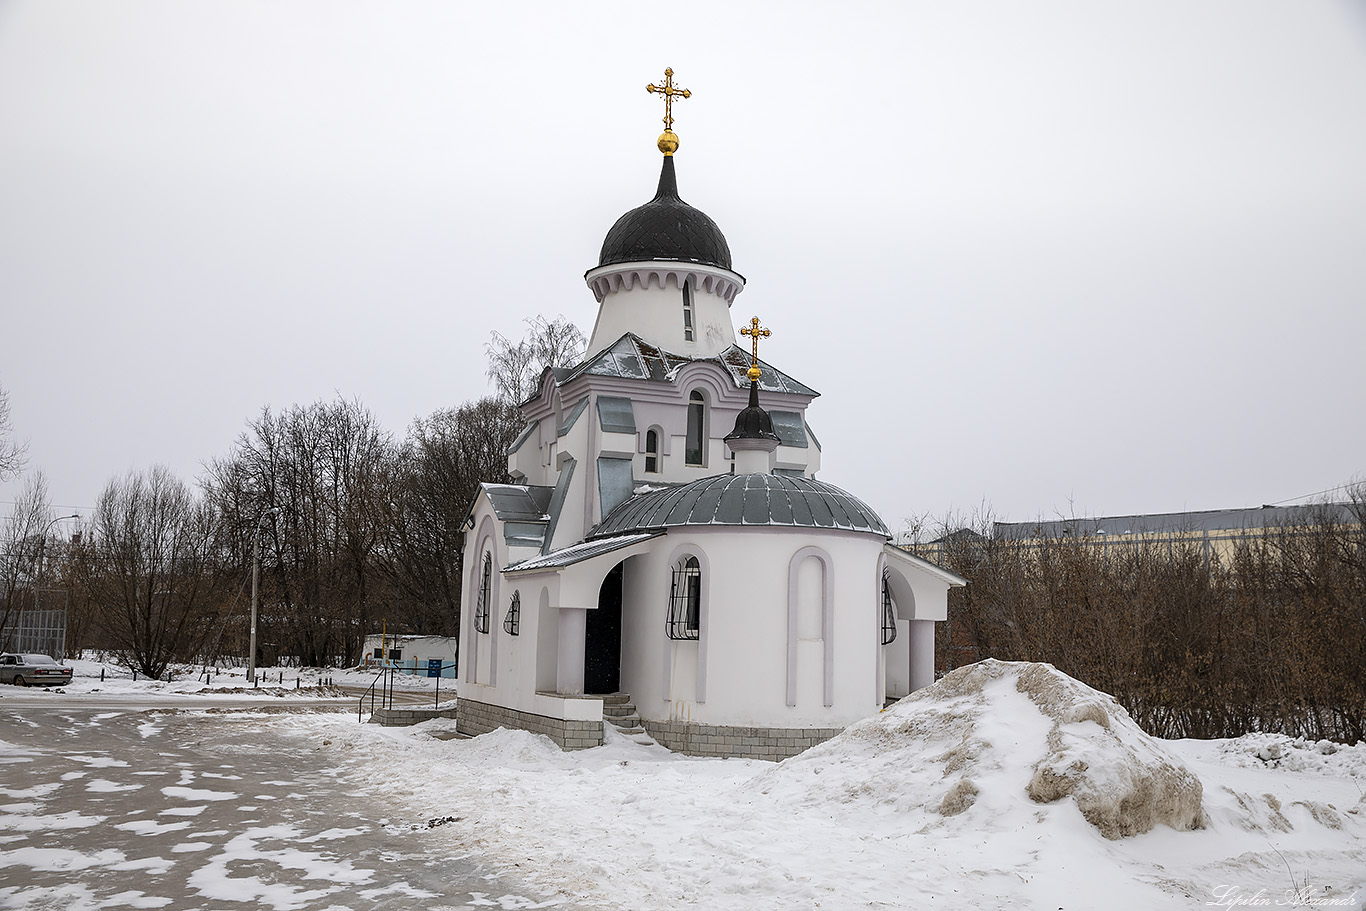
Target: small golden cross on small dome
(755, 332)
(668, 140)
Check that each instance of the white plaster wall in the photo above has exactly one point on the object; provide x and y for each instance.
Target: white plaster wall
(746, 640)
(576, 515)
(655, 313)
(897, 659)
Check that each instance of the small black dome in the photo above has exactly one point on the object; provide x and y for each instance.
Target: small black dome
(753, 422)
(666, 228)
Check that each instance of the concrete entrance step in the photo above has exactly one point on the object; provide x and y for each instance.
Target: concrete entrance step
(620, 712)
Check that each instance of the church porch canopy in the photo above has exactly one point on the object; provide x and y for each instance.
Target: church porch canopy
(582, 567)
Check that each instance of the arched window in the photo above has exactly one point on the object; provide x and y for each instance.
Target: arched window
(695, 449)
(685, 600)
(481, 607)
(888, 612)
(687, 312)
(651, 452)
(512, 623)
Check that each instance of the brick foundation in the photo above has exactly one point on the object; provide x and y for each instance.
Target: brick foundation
(475, 718)
(745, 743)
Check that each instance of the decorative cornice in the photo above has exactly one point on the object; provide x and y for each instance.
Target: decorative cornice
(605, 280)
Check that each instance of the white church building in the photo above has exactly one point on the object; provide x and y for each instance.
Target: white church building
(664, 553)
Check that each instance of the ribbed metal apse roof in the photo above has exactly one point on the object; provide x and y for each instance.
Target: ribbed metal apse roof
(744, 499)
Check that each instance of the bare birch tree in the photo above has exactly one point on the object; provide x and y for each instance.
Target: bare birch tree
(12, 452)
(21, 543)
(515, 367)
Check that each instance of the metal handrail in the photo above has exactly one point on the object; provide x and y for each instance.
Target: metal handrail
(385, 680)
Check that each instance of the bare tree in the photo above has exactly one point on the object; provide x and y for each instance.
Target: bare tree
(442, 462)
(12, 452)
(149, 569)
(515, 367)
(327, 469)
(21, 542)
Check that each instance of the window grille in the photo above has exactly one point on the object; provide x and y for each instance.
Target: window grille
(481, 607)
(512, 623)
(685, 600)
(888, 613)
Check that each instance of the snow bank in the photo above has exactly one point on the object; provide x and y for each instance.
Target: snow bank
(1295, 754)
(988, 739)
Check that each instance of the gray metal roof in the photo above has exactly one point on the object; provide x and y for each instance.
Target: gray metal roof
(615, 414)
(522, 437)
(744, 499)
(1162, 523)
(572, 416)
(631, 357)
(577, 553)
(519, 502)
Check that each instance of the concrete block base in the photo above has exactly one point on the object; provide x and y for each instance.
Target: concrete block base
(740, 742)
(474, 718)
(410, 715)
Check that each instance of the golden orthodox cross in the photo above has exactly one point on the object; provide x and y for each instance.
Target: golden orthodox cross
(755, 332)
(668, 91)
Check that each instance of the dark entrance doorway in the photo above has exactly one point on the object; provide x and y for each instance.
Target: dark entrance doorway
(602, 650)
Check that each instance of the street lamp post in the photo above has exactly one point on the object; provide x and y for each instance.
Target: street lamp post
(255, 579)
(38, 581)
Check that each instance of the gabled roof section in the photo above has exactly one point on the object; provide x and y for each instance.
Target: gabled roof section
(631, 357)
(948, 576)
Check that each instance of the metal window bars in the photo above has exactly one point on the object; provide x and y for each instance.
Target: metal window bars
(512, 623)
(888, 613)
(685, 600)
(481, 607)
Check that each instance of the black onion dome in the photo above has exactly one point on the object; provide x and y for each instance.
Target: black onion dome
(666, 228)
(753, 422)
(746, 500)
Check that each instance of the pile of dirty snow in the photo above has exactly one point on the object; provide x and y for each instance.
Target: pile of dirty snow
(992, 738)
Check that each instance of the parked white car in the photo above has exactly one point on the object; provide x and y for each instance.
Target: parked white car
(33, 670)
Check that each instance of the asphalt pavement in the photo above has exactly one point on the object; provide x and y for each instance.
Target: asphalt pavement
(114, 802)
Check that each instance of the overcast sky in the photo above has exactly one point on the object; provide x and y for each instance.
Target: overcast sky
(1089, 258)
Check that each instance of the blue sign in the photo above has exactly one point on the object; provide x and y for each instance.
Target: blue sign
(433, 667)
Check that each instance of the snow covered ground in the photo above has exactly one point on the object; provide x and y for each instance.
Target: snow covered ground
(926, 805)
(272, 681)
(861, 821)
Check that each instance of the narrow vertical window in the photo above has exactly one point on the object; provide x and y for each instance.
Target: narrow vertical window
(685, 601)
(651, 452)
(512, 623)
(888, 613)
(481, 607)
(697, 419)
(687, 312)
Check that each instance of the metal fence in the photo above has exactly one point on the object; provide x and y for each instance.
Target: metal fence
(35, 631)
